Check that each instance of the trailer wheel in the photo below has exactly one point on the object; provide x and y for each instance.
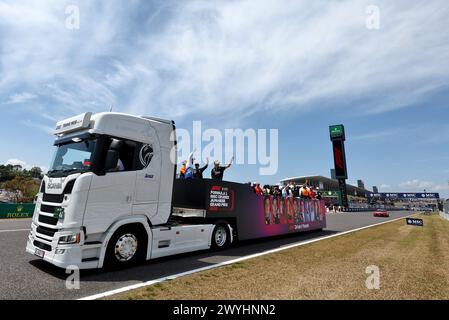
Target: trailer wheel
(221, 237)
(125, 248)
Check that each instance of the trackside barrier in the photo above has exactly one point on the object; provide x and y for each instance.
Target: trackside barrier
(16, 210)
(368, 209)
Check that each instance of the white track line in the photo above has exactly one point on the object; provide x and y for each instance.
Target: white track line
(14, 230)
(225, 263)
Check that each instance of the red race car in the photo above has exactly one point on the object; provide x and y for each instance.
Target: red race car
(381, 213)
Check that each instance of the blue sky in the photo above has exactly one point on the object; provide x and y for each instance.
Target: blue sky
(294, 66)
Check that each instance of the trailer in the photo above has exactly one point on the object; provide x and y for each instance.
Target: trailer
(249, 215)
(111, 198)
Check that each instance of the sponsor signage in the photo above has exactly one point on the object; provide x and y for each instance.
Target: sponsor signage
(414, 222)
(221, 199)
(81, 121)
(339, 159)
(402, 195)
(331, 193)
(16, 211)
(337, 132)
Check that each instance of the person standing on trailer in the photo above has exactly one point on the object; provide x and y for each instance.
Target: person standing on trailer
(311, 193)
(218, 171)
(304, 192)
(318, 194)
(257, 189)
(182, 171)
(198, 172)
(189, 166)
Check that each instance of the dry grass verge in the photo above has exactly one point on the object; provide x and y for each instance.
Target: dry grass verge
(413, 262)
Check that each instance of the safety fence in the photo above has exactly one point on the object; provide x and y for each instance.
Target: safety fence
(16, 210)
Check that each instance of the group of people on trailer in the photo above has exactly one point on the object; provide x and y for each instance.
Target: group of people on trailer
(289, 190)
(190, 169)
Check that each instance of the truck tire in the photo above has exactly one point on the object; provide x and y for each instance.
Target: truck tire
(125, 248)
(221, 237)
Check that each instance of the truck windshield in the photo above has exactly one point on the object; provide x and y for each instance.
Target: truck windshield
(72, 157)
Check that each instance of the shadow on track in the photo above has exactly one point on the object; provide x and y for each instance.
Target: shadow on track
(167, 266)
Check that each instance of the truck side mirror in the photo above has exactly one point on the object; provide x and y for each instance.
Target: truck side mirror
(111, 160)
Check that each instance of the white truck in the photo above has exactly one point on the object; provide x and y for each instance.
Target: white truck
(111, 198)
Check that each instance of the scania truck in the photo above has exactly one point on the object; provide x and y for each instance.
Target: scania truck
(111, 198)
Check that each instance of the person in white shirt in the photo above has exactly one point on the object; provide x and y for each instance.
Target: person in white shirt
(190, 169)
(120, 166)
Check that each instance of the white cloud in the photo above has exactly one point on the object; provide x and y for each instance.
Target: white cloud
(419, 185)
(20, 98)
(44, 128)
(384, 186)
(381, 134)
(416, 183)
(16, 162)
(224, 58)
(24, 164)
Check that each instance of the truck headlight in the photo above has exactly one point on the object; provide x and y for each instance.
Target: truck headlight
(70, 239)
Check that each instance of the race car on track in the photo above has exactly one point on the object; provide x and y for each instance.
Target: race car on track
(381, 213)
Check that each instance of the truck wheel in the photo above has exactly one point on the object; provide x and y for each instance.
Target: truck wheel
(220, 237)
(125, 248)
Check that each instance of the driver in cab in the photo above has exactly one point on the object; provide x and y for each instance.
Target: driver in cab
(116, 145)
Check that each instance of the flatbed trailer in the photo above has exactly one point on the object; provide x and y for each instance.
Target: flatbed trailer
(250, 215)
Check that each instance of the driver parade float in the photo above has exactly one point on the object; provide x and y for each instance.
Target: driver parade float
(90, 215)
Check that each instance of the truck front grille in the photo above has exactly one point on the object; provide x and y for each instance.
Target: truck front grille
(48, 220)
(56, 198)
(46, 231)
(42, 246)
(48, 209)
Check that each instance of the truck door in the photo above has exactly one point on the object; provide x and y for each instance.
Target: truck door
(148, 177)
(111, 195)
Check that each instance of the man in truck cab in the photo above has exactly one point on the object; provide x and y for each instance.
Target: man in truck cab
(126, 150)
(120, 166)
(116, 145)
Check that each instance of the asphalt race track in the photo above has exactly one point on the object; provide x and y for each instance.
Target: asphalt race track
(23, 276)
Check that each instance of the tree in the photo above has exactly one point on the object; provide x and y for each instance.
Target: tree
(17, 167)
(13, 186)
(22, 187)
(6, 173)
(35, 172)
